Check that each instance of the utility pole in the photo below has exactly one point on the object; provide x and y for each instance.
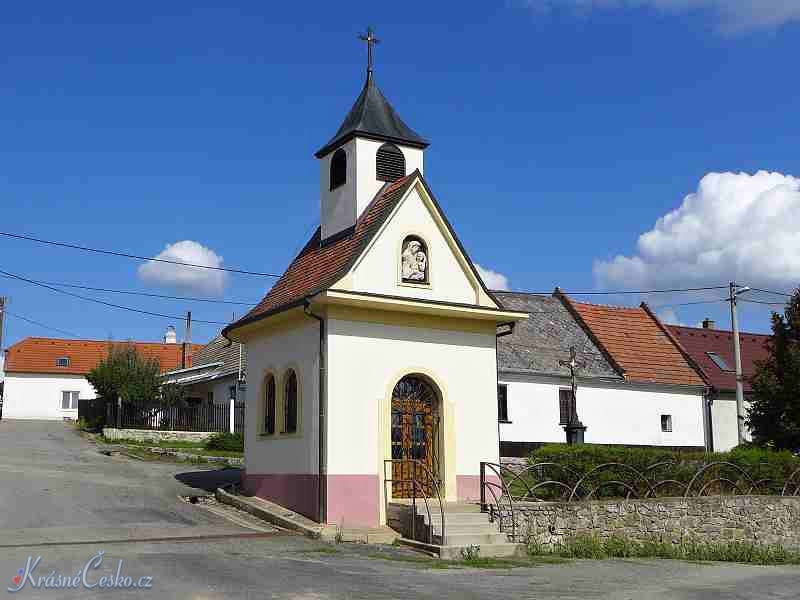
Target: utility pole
(3, 302)
(737, 357)
(187, 341)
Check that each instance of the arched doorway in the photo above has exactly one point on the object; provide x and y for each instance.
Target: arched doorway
(415, 438)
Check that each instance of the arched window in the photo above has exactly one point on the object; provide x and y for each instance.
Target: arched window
(390, 164)
(414, 260)
(338, 169)
(269, 405)
(290, 402)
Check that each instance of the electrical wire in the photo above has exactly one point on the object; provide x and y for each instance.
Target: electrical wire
(132, 256)
(104, 303)
(772, 292)
(642, 292)
(147, 294)
(50, 327)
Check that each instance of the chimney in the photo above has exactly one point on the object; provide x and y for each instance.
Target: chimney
(170, 337)
(709, 324)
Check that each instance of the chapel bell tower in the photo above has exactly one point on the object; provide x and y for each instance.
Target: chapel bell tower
(373, 146)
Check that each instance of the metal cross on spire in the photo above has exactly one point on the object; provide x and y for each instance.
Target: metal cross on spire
(371, 40)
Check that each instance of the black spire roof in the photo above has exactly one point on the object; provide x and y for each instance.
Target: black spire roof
(374, 118)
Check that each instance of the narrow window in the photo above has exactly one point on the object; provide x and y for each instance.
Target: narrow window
(666, 423)
(269, 408)
(564, 406)
(69, 400)
(290, 403)
(338, 175)
(502, 403)
(390, 164)
(63, 361)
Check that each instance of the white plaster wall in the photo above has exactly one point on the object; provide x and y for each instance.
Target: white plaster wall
(290, 453)
(612, 413)
(219, 387)
(724, 422)
(379, 269)
(38, 396)
(341, 207)
(365, 362)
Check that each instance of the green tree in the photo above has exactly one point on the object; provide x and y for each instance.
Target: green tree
(126, 374)
(774, 413)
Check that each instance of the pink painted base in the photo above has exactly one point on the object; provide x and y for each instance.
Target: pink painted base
(468, 487)
(295, 491)
(354, 500)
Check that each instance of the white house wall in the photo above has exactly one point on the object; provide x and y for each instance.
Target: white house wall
(613, 413)
(724, 423)
(284, 467)
(38, 396)
(365, 362)
(378, 271)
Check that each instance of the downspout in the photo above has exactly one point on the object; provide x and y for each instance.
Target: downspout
(322, 483)
(709, 397)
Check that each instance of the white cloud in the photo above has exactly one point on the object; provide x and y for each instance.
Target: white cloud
(669, 317)
(734, 227)
(731, 15)
(191, 279)
(492, 279)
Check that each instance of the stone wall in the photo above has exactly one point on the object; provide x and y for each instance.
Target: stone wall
(707, 519)
(146, 435)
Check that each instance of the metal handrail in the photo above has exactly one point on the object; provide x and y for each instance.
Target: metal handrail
(497, 468)
(415, 462)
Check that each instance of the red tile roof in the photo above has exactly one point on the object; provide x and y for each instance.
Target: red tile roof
(40, 355)
(637, 343)
(319, 266)
(698, 342)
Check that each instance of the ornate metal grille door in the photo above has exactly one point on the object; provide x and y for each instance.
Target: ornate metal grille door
(415, 435)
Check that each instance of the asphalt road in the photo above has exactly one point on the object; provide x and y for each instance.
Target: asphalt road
(52, 477)
(69, 496)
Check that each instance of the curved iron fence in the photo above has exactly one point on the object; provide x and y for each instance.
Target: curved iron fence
(503, 487)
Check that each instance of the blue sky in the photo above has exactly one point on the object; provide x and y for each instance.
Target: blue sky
(561, 131)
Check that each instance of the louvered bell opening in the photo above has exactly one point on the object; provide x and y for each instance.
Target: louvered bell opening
(390, 163)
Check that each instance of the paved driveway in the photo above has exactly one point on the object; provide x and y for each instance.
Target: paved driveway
(51, 477)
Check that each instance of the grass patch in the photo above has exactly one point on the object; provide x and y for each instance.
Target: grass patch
(592, 547)
(320, 550)
(176, 444)
(472, 563)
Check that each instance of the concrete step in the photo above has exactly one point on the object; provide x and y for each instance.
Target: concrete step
(458, 519)
(503, 550)
(450, 508)
(470, 539)
(470, 528)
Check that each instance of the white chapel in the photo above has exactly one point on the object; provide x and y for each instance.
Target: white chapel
(372, 363)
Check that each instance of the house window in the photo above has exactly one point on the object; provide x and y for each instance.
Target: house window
(269, 405)
(290, 402)
(564, 405)
(69, 400)
(666, 423)
(63, 361)
(502, 403)
(390, 164)
(338, 175)
(719, 361)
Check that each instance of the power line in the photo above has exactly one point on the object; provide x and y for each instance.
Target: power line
(689, 303)
(772, 292)
(641, 292)
(763, 302)
(50, 327)
(132, 256)
(147, 294)
(103, 302)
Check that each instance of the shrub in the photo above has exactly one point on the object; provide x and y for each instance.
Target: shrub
(229, 442)
(768, 468)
